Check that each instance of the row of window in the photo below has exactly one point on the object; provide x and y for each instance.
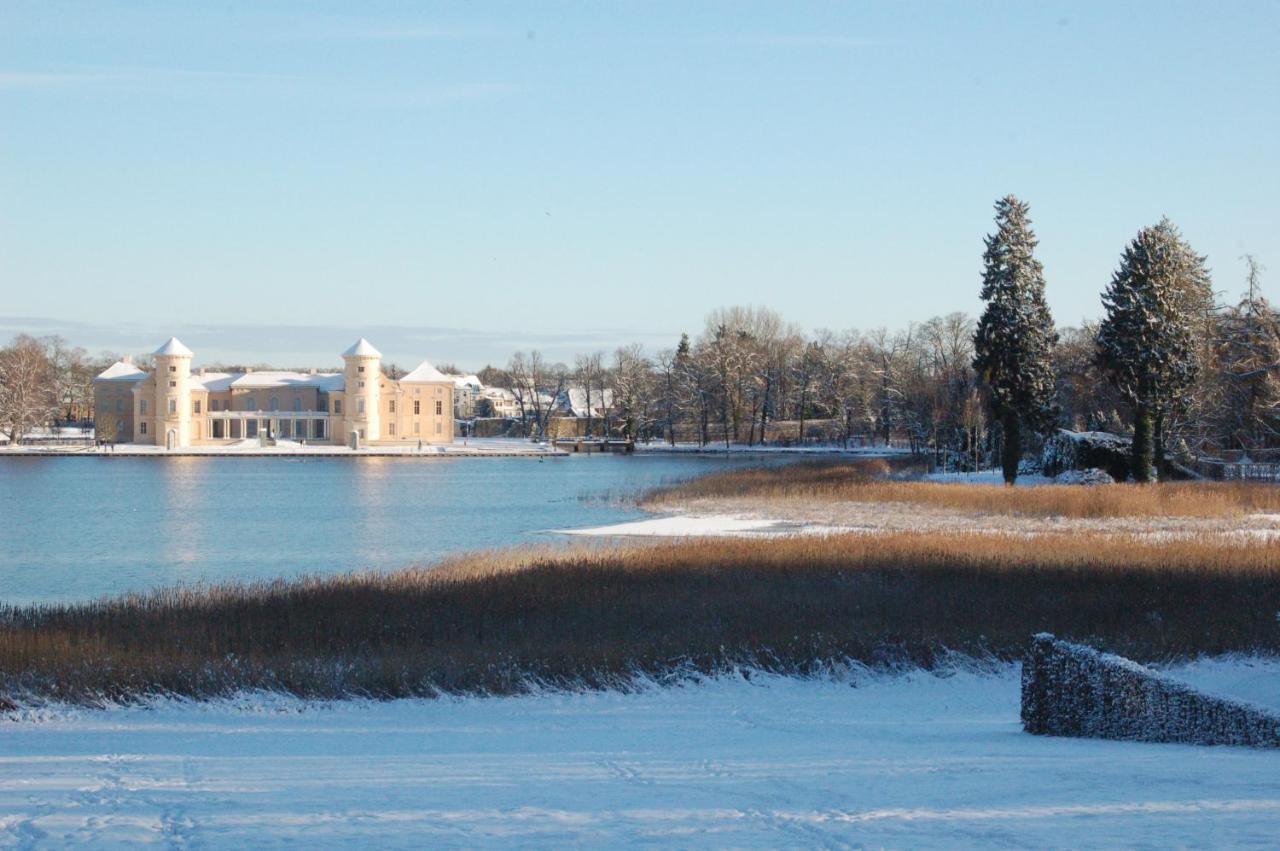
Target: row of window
(251, 404)
(417, 428)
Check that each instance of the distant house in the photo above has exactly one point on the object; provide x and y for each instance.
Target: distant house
(466, 389)
(497, 402)
(503, 403)
(572, 402)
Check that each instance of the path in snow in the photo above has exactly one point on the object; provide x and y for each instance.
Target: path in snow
(916, 760)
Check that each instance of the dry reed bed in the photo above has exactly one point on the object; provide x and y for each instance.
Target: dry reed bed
(588, 617)
(864, 482)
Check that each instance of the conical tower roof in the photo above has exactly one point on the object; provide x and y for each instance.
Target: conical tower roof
(362, 348)
(173, 347)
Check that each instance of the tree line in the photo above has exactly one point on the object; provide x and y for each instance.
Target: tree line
(1170, 362)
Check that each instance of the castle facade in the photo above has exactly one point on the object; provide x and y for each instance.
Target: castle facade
(175, 407)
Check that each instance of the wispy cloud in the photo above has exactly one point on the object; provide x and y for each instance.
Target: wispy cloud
(819, 40)
(359, 29)
(406, 33)
(400, 94)
(44, 79)
(112, 75)
(318, 345)
(429, 95)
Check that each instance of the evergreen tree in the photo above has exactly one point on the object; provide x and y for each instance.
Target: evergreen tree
(1013, 345)
(1147, 342)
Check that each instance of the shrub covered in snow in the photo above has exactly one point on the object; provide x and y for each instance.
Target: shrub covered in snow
(1085, 450)
(1073, 690)
(1091, 476)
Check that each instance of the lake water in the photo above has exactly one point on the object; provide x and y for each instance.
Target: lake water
(80, 528)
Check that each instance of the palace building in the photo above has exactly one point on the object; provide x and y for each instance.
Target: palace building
(175, 407)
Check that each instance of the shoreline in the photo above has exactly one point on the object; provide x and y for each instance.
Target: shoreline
(480, 447)
(512, 449)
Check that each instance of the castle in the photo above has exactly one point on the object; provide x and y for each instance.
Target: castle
(172, 406)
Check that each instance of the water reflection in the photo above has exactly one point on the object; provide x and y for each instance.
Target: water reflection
(182, 510)
(369, 481)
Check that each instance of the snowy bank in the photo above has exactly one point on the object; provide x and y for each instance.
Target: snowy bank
(704, 526)
(763, 449)
(917, 760)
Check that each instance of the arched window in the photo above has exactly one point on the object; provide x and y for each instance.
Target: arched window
(275, 403)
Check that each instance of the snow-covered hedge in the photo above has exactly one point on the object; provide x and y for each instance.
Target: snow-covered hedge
(1085, 450)
(1091, 476)
(1073, 690)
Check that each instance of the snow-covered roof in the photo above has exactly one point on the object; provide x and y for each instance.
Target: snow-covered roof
(362, 348)
(173, 347)
(217, 382)
(121, 371)
(423, 374)
(472, 381)
(574, 399)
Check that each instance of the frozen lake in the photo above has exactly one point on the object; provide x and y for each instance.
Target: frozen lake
(79, 528)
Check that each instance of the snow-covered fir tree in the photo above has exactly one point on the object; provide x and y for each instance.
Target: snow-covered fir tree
(1014, 341)
(1156, 301)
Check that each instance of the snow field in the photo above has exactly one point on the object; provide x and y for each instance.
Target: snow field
(914, 760)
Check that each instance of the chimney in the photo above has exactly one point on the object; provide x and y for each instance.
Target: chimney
(311, 371)
(248, 369)
(127, 360)
(203, 372)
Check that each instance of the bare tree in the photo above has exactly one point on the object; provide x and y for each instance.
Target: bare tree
(632, 389)
(589, 372)
(28, 387)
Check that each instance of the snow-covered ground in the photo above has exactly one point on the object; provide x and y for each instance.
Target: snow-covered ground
(986, 477)
(909, 761)
(709, 525)
(742, 518)
(742, 448)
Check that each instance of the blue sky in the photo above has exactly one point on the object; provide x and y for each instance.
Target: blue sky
(586, 174)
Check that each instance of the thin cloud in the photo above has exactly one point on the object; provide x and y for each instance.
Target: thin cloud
(407, 93)
(45, 79)
(341, 29)
(408, 33)
(802, 40)
(109, 75)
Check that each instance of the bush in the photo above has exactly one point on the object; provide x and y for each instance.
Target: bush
(1082, 450)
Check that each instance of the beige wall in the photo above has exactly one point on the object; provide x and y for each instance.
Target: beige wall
(113, 410)
(403, 421)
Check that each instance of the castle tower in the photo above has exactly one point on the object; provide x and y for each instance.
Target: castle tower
(362, 374)
(173, 394)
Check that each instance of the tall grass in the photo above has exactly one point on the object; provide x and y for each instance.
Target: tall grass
(864, 482)
(494, 622)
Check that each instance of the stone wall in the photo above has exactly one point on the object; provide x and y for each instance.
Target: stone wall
(1073, 690)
